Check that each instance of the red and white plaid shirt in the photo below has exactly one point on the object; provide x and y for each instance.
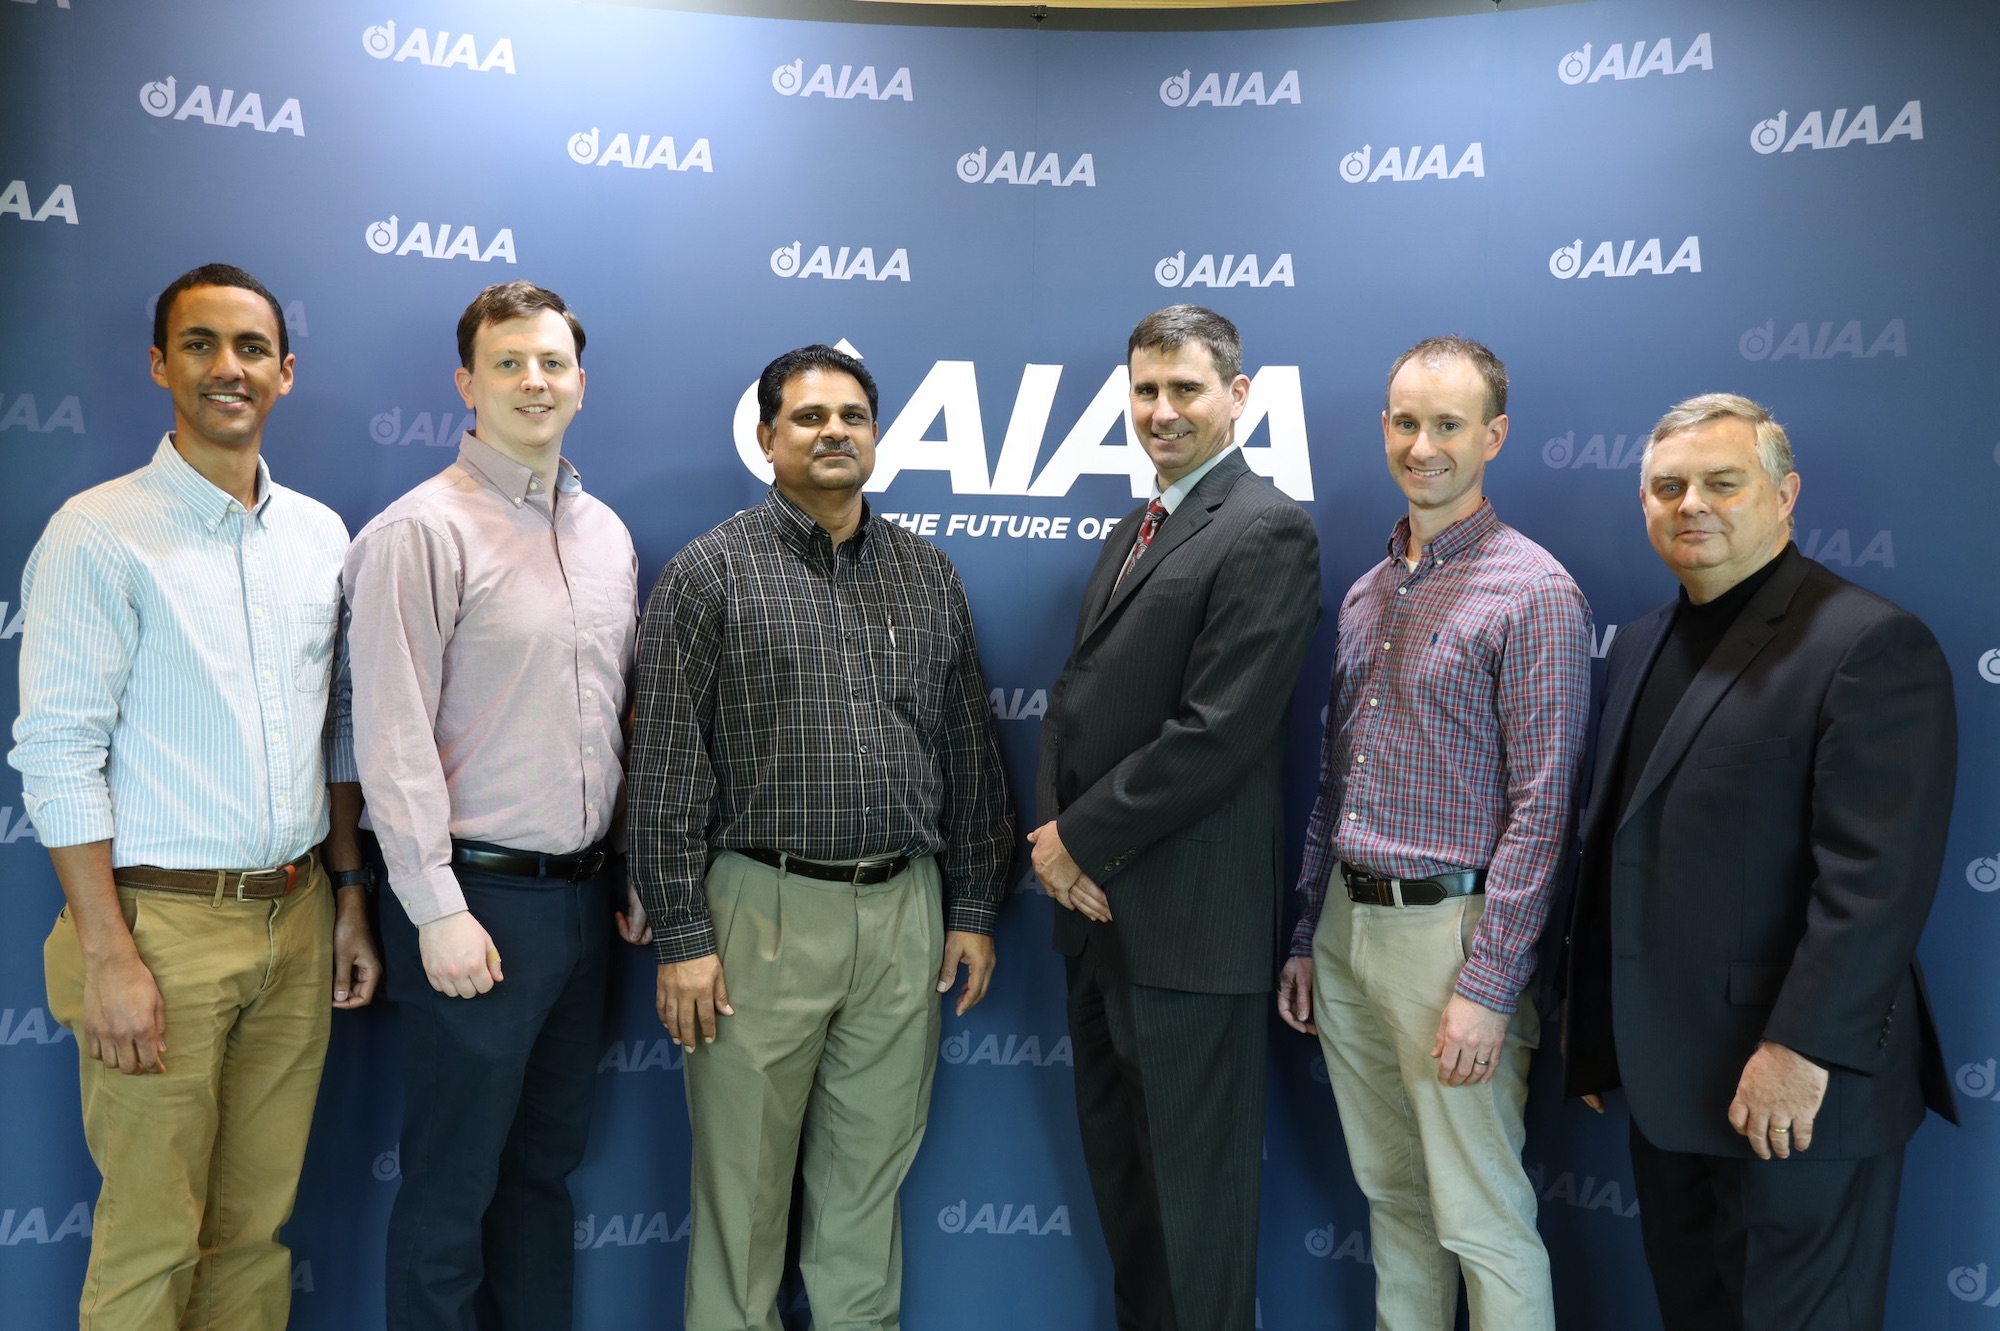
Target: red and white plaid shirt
(1455, 727)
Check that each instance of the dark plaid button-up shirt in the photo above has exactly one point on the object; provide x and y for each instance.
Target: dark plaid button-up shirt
(1460, 693)
(825, 703)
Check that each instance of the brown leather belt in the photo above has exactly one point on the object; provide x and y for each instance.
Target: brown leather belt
(1370, 890)
(865, 874)
(238, 884)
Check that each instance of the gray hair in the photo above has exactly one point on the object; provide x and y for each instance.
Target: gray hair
(1774, 447)
(1175, 326)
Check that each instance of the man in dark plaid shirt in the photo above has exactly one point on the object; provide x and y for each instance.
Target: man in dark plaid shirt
(818, 814)
(1460, 690)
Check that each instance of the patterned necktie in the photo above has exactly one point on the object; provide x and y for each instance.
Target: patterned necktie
(1156, 513)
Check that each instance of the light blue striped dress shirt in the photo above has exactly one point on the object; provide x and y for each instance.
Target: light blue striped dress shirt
(177, 663)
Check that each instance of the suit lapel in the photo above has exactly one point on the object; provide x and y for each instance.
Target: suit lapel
(1195, 512)
(1621, 698)
(1754, 627)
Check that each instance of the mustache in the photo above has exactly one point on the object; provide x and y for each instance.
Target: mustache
(836, 450)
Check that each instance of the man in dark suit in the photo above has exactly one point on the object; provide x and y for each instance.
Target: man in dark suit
(1761, 841)
(1162, 832)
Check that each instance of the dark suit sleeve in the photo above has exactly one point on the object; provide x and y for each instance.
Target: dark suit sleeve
(1263, 607)
(1884, 769)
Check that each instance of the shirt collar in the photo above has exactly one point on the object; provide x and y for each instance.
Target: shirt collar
(801, 532)
(1170, 498)
(210, 504)
(507, 476)
(1456, 539)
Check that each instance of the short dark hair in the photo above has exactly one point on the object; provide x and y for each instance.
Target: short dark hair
(511, 300)
(819, 356)
(1435, 351)
(216, 275)
(1177, 325)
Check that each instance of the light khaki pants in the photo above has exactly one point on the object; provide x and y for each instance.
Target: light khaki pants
(201, 1162)
(831, 1050)
(1440, 1165)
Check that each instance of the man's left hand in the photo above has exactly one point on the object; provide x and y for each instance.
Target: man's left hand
(633, 926)
(976, 952)
(1469, 1041)
(1063, 878)
(1776, 1101)
(356, 965)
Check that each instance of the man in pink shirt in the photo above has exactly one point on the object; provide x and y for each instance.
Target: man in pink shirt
(494, 610)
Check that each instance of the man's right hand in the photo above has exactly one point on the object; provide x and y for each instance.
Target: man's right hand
(688, 995)
(459, 956)
(124, 1017)
(1295, 995)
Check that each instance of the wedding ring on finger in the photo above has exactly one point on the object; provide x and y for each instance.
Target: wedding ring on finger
(1482, 1062)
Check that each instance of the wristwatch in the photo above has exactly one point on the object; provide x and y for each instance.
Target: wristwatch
(362, 877)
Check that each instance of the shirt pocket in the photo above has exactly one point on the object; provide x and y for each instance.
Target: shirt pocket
(919, 658)
(312, 644)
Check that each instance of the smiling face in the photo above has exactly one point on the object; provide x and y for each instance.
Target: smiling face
(821, 444)
(1182, 410)
(1713, 514)
(524, 386)
(221, 366)
(1439, 441)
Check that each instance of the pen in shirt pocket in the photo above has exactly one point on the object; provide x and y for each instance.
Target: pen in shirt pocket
(892, 631)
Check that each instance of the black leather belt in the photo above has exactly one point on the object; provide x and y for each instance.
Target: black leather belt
(1370, 890)
(530, 864)
(864, 874)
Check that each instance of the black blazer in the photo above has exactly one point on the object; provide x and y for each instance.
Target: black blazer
(1772, 873)
(1163, 749)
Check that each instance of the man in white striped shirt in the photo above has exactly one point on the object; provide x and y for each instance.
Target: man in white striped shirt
(175, 745)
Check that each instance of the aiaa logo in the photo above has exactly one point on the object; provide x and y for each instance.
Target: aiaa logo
(1022, 705)
(1576, 67)
(1325, 1241)
(1989, 665)
(1355, 167)
(1589, 1195)
(1241, 90)
(1763, 343)
(228, 110)
(1008, 1219)
(1175, 271)
(1837, 547)
(642, 1056)
(23, 827)
(21, 414)
(623, 150)
(951, 391)
(1984, 874)
(388, 1165)
(1969, 1283)
(1562, 453)
(842, 266)
(618, 1233)
(382, 238)
(973, 170)
(61, 203)
(957, 1049)
(1611, 261)
(35, 1025)
(1768, 136)
(33, 1226)
(440, 52)
(791, 81)
(386, 427)
(1976, 1081)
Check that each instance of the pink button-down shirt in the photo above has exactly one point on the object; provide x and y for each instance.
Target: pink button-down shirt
(491, 645)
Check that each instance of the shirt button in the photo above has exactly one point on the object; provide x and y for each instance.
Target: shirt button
(256, 612)
(864, 748)
(586, 635)
(517, 503)
(1353, 817)
(590, 750)
(1385, 646)
(1360, 757)
(1402, 591)
(281, 801)
(265, 675)
(1373, 702)
(590, 693)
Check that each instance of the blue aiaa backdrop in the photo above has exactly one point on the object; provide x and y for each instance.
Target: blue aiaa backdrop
(1630, 202)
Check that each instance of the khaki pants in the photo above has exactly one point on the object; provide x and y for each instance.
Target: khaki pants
(834, 1041)
(201, 1162)
(1440, 1165)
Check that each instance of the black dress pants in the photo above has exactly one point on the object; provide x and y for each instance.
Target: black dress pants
(1170, 1103)
(1767, 1245)
(498, 1093)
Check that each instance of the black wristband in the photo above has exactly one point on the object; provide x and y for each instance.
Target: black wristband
(353, 878)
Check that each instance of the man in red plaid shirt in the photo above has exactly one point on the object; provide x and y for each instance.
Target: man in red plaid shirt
(1460, 690)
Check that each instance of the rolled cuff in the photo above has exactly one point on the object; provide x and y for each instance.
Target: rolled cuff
(75, 820)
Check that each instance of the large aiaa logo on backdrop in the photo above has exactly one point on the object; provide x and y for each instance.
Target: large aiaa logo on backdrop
(1229, 271)
(841, 265)
(1837, 131)
(440, 52)
(20, 414)
(586, 149)
(1361, 166)
(793, 81)
(950, 393)
(1002, 1218)
(1240, 90)
(388, 427)
(1048, 170)
(16, 201)
(1578, 67)
(1609, 260)
(228, 110)
(387, 238)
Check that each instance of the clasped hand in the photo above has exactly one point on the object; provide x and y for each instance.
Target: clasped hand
(1064, 879)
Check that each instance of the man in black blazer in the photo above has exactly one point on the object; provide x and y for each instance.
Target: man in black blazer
(1162, 833)
(1760, 845)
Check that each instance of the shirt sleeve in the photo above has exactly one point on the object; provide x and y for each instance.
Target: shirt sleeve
(977, 820)
(1542, 700)
(672, 779)
(1317, 865)
(402, 586)
(337, 744)
(78, 639)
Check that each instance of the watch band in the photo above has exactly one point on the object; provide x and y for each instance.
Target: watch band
(353, 878)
